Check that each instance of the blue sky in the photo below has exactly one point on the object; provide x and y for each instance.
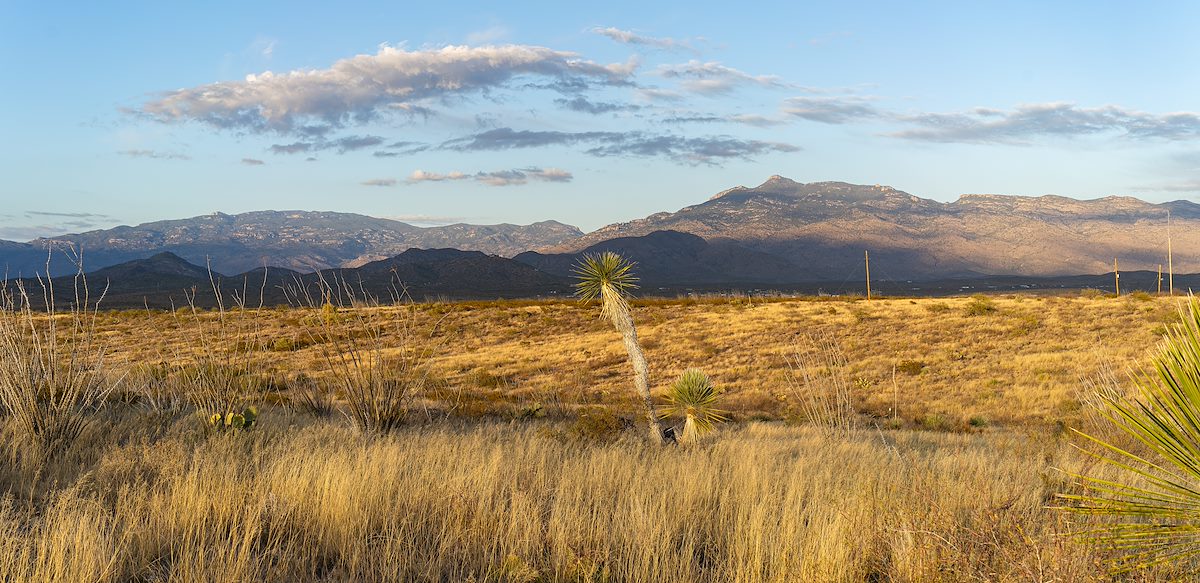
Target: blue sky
(517, 112)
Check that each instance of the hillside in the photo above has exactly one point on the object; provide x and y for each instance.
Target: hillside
(824, 227)
(297, 240)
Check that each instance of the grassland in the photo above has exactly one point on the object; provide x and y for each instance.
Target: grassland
(515, 463)
(1017, 360)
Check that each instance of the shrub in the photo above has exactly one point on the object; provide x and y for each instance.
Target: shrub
(980, 305)
(937, 307)
(910, 367)
(52, 366)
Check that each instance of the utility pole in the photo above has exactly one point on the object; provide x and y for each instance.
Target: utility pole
(867, 258)
(1160, 279)
(1170, 264)
(1116, 277)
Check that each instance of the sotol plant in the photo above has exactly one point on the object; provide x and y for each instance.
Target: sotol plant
(608, 277)
(695, 398)
(1154, 509)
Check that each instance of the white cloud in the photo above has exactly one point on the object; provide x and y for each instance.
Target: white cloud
(512, 177)
(713, 78)
(361, 88)
(382, 182)
(632, 38)
(154, 154)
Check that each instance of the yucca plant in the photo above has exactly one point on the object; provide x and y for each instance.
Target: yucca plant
(609, 278)
(1155, 509)
(694, 397)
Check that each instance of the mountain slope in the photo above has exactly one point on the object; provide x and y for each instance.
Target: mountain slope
(167, 280)
(299, 240)
(671, 258)
(824, 227)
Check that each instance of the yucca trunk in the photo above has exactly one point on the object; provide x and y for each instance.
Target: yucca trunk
(618, 311)
(691, 433)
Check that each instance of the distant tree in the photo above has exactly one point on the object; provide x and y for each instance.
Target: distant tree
(608, 277)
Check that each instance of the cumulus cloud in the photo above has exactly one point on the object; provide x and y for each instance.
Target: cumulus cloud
(154, 154)
(691, 150)
(385, 182)
(632, 38)
(512, 177)
(252, 162)
(831, 110)
(362, 88)
(1025, 122)
(713, 78)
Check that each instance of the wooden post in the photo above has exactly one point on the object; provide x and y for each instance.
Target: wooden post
(867, 258)
(1116, 277)
(1160, 279)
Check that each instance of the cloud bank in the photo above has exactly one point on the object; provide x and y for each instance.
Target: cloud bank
(365, 87)
(709, 150)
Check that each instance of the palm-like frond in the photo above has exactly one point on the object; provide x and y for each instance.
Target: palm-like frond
(1157, 509)
(695, 397)
(603, 275)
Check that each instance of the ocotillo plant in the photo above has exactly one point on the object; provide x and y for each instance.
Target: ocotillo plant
(609, 278)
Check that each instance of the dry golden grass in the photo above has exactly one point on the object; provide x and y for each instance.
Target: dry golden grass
(1020, 364)
(150, 493)
(299, 500)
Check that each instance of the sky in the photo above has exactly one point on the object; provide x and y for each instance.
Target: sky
(489, 112)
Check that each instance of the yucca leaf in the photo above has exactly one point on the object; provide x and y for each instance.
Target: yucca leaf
(1157, 505)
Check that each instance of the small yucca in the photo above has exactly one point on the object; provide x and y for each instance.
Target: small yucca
(695, 398)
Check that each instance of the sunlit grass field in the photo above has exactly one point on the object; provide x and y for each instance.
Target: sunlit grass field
(927, 363)
(517, 458)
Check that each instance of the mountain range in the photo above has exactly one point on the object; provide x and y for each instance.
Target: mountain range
(779, 232)
(167, 280)
(296, 240)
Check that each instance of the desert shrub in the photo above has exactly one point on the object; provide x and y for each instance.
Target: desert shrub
(910, 367)
(937, 307)
(52, 365)
(819, 387)
(980, 305)
(377, 388)
(311, 395)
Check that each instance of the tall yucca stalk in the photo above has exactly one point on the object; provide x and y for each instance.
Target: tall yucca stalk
(695, 398)
(609, 278)
(1156, 508)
